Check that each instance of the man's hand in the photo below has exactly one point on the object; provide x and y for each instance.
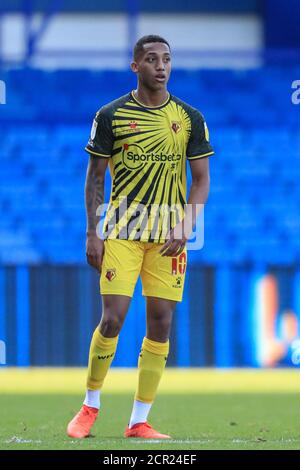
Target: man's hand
(94, 251)
(176, 242)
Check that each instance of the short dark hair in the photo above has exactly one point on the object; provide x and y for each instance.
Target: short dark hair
(139, 47)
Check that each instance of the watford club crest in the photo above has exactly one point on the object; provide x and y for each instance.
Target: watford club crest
(176, 126)
(110, 274)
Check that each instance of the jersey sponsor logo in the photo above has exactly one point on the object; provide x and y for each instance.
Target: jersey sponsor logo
(134, 157)
(176, 126)
(110, 274)
(94, 129)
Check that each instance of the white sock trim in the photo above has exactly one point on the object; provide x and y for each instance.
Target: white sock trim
(139, 413)
(92, 398)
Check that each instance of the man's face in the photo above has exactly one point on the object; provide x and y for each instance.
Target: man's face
(153, 66)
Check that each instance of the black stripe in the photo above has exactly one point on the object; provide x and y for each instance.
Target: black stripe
(143, 140)
(157, 215)
(153, 190)
(156, 143)
(161, 200)
(170, 202)
(155, 180)
(133, 193)
(170, 192)
(181, 197)
(135, 108)
(115, 216)
(126, 136)
(118, 164)
(115, 151)
(123, 173)
(139, 184)
(132, 218)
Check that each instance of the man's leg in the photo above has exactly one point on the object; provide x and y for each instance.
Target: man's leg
(102, 351)
(163, 281)
(120, 269)
(152, 361)
(104, 344)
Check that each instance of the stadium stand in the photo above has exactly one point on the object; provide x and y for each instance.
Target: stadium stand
(250, 215)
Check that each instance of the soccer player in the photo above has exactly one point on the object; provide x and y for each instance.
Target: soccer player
(145, 137)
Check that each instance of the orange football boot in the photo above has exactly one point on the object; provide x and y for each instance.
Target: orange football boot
(144, 431)
(82, 423)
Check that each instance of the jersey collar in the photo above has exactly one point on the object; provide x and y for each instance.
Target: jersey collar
(151, 107)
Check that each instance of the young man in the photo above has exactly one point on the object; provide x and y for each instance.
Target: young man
(145, 137)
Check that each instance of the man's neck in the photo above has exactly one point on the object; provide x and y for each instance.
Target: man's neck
(151, 98)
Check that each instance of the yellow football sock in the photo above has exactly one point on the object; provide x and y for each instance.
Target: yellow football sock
(102, 351)
(152, 361)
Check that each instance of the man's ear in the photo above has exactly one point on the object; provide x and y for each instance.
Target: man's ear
(134, 67)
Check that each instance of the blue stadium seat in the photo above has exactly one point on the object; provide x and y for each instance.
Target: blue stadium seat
(254, 174)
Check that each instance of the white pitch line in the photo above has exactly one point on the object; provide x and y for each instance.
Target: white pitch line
(19, 440)
(170, 441)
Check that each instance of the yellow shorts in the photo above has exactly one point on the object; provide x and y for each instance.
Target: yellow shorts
(125, 260)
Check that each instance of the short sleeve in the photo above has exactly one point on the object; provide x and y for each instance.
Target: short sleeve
(198, 145)
(101, 139)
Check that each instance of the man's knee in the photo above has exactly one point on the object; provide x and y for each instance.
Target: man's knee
(114, 309)
(111, 324)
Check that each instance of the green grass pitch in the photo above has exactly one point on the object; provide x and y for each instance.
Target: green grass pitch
(229, 411)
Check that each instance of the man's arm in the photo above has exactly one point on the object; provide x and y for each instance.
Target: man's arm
(200, 182)
(197, 197)
(94, 196)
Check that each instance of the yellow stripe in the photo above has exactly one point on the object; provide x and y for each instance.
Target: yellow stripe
(95, 153)
(200, 156)
(72, 380)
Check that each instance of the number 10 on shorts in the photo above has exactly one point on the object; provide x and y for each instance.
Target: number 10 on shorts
(179, 264)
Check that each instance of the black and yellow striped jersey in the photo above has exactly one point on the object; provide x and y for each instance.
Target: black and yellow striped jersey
(147, 149)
